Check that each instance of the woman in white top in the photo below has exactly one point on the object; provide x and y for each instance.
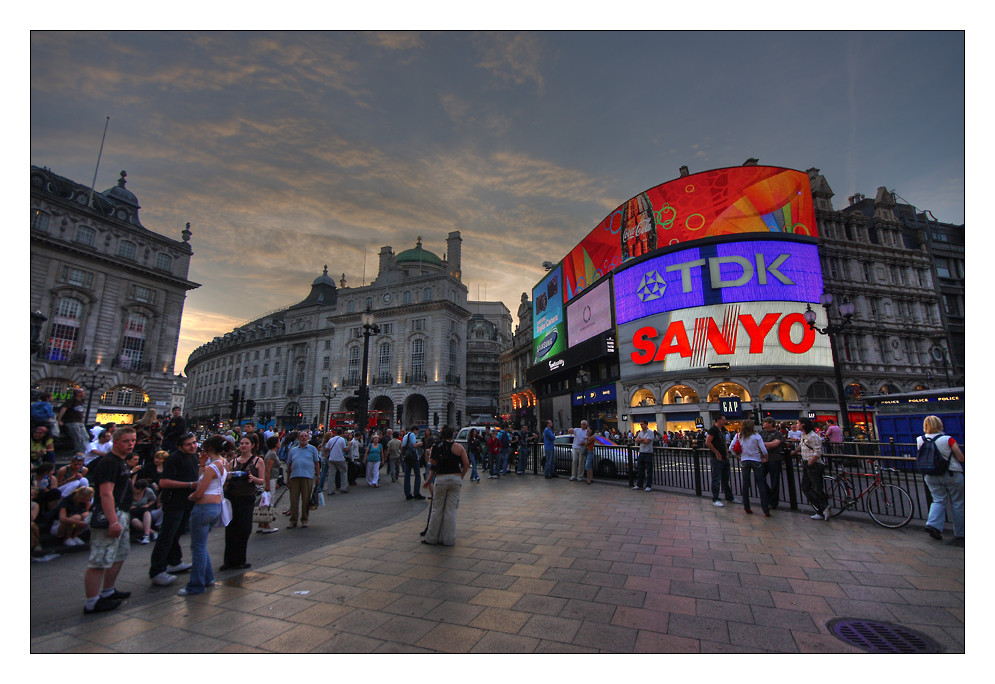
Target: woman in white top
(753, 454)
(206, 512)
(949, 486)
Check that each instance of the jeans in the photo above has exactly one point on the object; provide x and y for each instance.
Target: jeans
(771, 472)
(644, 469)
(754, 468)
(473, 466)
(393, 468)
(812, 486)
(324, 473)
(950, 486)
(550, 468)
(167, 547)
(408, 471)
(503, 457)
(523, 455)
(445, 502)
(577, 463)
(202, 518)
(720, 475)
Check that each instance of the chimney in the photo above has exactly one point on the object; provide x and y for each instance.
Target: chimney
(453, 248)
(684, 171)
(386, 260)
(752, 161)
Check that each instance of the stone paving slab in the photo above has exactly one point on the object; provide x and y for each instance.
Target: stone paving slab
(545, 566)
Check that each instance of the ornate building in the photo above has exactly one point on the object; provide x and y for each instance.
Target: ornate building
(488, 334)
(106, 298)
(517, 399)
(304, 362)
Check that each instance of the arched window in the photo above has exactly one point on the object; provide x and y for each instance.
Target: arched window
(820, 390)
(126, 250)
(40, 219)
(728, 389)
(64, 334)
(164, 262)
(778, 391)
(133, 345)
(85, 235)
(643, 397)
(417, 358)
(680, 394)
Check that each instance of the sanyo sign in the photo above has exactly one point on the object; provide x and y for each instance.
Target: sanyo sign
(732, 271)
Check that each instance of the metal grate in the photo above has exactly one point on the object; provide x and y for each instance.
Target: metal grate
(881, 637)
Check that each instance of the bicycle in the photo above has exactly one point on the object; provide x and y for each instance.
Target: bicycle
(888, 505)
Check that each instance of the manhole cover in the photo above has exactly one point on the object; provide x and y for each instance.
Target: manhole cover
(881, 637)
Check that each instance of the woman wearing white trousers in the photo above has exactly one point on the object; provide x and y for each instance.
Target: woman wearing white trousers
(450, 463)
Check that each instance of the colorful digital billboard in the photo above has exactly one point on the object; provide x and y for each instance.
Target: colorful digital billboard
(730, 201)
(744, 335)
(589, 314)
(739, 270)
(549, 334)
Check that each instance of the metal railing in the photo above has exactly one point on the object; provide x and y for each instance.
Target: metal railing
(688, 469)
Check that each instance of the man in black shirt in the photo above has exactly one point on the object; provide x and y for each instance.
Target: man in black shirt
(715, 441)
(111, 480)
(771, 468)
(71, 420)
(179, 478)
(172, 430)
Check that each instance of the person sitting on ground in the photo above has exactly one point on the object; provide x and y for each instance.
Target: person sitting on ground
(42, 446)
(98, 447)
(36, 549)
(48, 486)
(71, 519)
(72, 476)
(134, 465)
(151, 470)
(145, 512)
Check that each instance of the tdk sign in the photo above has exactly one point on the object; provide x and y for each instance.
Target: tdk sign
(721, 273)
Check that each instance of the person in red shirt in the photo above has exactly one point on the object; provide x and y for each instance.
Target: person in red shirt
(493, 447)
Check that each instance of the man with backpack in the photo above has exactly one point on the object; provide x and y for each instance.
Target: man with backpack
(771, 468)
(944, 476)
(504, 451)
(409, 462)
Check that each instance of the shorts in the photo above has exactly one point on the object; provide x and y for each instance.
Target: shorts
(105, 550)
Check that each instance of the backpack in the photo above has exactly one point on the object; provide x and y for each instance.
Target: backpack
(39, 412)
(930, 460)
(408, 453)
(505, 442)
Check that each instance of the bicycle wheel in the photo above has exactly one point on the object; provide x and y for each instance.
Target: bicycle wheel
(836, 493)
(889, 505)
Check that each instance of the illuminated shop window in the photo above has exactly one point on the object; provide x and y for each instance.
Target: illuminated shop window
(680, 394)
(778, 391)
(728, 389)
(643, 397)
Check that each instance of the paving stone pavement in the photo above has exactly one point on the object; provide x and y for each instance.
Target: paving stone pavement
(553, 566)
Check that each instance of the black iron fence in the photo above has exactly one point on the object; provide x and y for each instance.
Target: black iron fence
(689, 470)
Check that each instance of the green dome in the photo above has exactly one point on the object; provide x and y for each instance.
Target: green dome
(418, 255)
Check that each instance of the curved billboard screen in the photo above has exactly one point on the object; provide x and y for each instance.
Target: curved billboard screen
(549, 330)
(730, 201)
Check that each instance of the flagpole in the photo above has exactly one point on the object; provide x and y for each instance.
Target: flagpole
(89, 202)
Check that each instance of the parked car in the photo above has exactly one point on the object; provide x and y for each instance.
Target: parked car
(610, 460)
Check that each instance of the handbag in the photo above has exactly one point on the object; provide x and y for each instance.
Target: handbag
(263, 514)
(99, 521)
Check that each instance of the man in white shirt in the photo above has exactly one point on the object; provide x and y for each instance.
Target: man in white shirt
(336, 448)
(644, 466)
(98, 447)
(579, 453)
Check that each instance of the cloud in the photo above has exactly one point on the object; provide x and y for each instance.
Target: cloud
(511, 57)
(395, 40)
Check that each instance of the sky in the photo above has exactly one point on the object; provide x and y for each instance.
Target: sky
(290, 151)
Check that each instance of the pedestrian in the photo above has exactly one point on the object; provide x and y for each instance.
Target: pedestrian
(450, 463)
(589, 460)
(771, 468)
(715, 441)
(42, 413)
(393, 456)
(174, 428)
(353, 466)
(323, 456)
(180, 473)
(208, 511)
(813, 468)
(752, 454)
(271, 481)
(473, 451)
(548, 441)
(304, 466)
(147, 428)
(71, 418)
(493, 454)
(427, 441)
(72, 476)
(578, 451)
(946, 487)
(42, 446)
(337, 447)
(372, 458)
(109, 540)
(644, 464)
(246, 471)
(409, 461)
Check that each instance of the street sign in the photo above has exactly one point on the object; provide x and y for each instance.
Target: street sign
(729, 405)
(718, 366)
(699, 422)
(811, 415)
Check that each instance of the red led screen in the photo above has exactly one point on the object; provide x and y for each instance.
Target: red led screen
(740, 199)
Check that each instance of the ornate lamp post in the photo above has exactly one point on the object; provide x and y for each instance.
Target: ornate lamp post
(845, 311)
(369, 328)
(90, 384)
(940, 354)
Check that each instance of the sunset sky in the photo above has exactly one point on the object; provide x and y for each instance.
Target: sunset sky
(289, 151)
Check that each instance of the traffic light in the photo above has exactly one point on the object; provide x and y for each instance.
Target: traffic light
(234, 403)
(250, 407)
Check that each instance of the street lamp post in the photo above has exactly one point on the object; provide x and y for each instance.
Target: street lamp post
(831, 329)
(940, 354)
(91, 386)
(369, 328)
(328, 404)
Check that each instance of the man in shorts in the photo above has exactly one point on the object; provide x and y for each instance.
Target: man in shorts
(111, 480)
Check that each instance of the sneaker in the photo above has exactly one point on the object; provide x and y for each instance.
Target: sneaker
(735, 499)
(155, 535)
(817, 516)
(574, 478)
(71, 543)
(182, 567)
(718, 503)
(144, 540)
(102, 606)
(825, 515)
(163, 579)
(648, 489)
(636, 488)
(933, 532)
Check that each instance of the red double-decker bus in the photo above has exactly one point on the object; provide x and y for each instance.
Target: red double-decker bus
(347, 420)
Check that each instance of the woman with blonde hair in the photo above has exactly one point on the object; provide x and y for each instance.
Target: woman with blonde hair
(946, 487)
(147, 432)
(72, 516)
(753, 454)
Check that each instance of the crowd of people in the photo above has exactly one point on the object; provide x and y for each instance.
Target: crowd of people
(154, 481)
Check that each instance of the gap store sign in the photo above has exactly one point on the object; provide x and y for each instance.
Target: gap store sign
(720, 272)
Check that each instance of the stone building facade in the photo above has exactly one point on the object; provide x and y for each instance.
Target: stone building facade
(107, 298)
(488, 334)
(517, 398)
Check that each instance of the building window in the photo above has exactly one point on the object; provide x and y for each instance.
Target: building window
(406, 297)
(266, 353)
(262, 389)
(328, 344)
(353, 367)
(351, 307)
(950, 305)
(387, 329)
(417, 357)
(427, 295)
(326, 363)
(75, 276)
(85, 235)
(453, 358)
(867, 271)
(384, 360)
(133, 347)
(142, 294)
(65, 329)
(40, 220)
(126, 249)
(943, 268)
(276, 368)
(369, 303)
(265, 369)
(164, 262)
(419, 324)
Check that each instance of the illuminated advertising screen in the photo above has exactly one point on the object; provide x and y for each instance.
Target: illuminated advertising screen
(589, 314)
(549, 335)
(740, 199)
(752, 270)
(744, 335)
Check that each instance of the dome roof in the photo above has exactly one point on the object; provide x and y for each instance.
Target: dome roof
(323, 279)
(418, 255)
(120, 194)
